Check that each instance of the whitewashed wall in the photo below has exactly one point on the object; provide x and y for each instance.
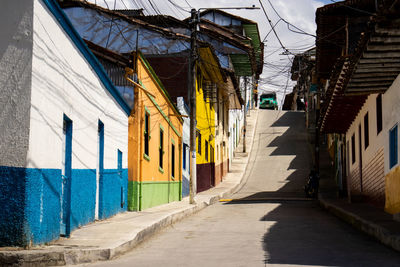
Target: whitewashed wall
(64, 82)
(376, 142)
(235, 125)
(391, 116)
(185, 133)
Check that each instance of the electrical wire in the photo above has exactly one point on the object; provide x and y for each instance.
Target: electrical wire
(300, 31)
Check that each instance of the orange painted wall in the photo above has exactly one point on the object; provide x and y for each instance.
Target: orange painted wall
(143, 168)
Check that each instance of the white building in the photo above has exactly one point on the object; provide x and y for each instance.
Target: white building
(64, 148)
(184, 110)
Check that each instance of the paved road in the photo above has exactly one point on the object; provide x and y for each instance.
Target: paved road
(273, 227)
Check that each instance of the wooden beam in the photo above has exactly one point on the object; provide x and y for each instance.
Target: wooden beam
(378, 65)
(377, 70)
(352, 91)
(373, 79)
(379, 74)
(378, 55)
(379, 60)
(385, 31)
(368, 84)
(383, 47)
(382, 39)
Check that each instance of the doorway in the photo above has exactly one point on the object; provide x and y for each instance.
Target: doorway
(65, 212)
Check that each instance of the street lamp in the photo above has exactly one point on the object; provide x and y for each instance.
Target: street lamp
(194, 21)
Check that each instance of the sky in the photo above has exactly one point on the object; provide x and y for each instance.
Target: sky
(277, 62)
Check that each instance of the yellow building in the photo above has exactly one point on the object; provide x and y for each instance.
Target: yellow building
(209, 77)
(155, 143)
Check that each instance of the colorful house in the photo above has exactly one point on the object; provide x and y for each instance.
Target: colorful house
(64, 129)
(155, 131)
(361, 104)
(173, 69)
(155, 142)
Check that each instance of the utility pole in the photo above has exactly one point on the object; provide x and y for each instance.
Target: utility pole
(245, 114)
(194, 22)
(192, 104)
(317, 113)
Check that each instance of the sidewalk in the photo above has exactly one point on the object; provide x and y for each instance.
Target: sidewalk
(106, 239)
(363, 216)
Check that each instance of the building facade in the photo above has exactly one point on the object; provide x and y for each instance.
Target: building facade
(155, 143)
(66, 163)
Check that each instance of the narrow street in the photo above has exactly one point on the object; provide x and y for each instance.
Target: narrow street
(273, 225)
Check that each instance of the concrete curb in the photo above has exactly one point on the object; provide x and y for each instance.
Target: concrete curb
(376, 231)
(63, 256)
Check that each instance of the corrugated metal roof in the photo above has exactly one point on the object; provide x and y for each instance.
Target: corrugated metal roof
(241, 64)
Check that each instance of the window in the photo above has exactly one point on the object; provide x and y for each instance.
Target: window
(198, 142)
(146, 133)
(206, 149)
(366, 131)
(223, 117)
(378, 113)
(119, 156)
(353, 149)
(161, 149)
(393, 146)
(184, 156)
(173, 160)
(199, 80)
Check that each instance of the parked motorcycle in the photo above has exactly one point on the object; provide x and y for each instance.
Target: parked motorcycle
(312, 185)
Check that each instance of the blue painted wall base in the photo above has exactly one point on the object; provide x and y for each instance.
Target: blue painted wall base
(30, 202)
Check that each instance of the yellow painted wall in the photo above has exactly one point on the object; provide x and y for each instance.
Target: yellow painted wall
(392, 191)
(143, 168)
(205, 114)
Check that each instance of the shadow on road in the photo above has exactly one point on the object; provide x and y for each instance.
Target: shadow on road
(301, 232)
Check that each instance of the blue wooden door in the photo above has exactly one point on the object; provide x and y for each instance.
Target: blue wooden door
(100, 170)
(66, 179)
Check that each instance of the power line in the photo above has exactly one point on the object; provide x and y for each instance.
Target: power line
(288, 23)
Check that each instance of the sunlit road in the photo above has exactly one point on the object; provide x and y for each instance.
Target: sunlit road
(274, 226)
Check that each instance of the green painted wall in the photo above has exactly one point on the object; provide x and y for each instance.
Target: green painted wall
(145, 195)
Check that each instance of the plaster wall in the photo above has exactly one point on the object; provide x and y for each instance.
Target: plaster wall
(205, 115)
(149, 183)
(221, 137)
(185, 146)
(235, 129)
(15, 80)
(376, 140)
(63, 82)
(391, 117)
(372, 156)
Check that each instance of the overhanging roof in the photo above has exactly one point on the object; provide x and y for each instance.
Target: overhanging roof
(339, 110)
(331, 30)
(251, 30)
(376, 63)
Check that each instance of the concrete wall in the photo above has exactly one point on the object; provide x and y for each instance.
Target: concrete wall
(63, 83)
(15, 80)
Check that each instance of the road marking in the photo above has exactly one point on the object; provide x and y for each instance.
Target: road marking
(265, 199)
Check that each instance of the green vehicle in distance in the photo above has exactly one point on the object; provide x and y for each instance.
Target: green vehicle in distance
(268, 101)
